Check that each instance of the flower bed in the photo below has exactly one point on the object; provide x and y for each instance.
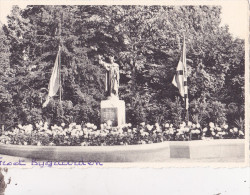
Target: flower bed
(89, 135)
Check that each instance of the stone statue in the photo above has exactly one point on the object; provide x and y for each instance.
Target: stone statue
(112, 76)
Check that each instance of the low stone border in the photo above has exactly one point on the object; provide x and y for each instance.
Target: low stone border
(158, 152)
(212, 149)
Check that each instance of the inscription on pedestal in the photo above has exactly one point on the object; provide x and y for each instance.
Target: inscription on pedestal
(109, 114)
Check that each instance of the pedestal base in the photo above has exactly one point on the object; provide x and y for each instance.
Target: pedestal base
(113, 109)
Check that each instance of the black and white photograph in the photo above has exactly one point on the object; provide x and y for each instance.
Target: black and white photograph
(119, 97)
(86, 85)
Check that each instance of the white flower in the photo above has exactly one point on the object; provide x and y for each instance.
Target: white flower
(16, 131)
(225, 126)
(28, 130)
(198, 125)
(73, 132)
(186, 129)
(62, 124)
(211, 125)
(129, 130)
(109, 122)
(85, 130)
(150, 127)
(213, 133)
(171, 132)
(129, 125)
(193, 126)
(235, 129)
(86, 136)
(94, 127)
(205, 129)
(171, 125)
(166, 125)
(98, 132)
(197, 131)
(46, 125)
(184, 124)
(241, 132)
(190, 123)
(81, 133)
(29, 127)
(157, 125)
(142, 124)
(49, 132)
(219, 129)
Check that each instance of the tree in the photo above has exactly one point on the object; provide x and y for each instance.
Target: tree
(6, 75)
(145, 41)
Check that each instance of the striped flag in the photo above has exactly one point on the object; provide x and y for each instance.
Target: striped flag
(54, 82)
(180, 78)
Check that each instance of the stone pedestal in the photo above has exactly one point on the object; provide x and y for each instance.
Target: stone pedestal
(113, 109)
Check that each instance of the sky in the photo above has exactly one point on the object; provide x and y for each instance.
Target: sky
(234, 13)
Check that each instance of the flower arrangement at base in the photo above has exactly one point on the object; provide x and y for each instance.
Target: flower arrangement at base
(41, 134)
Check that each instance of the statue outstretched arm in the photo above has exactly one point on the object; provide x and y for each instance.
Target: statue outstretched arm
(104, 64)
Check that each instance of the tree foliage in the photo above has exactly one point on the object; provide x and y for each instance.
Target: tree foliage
(145, 41)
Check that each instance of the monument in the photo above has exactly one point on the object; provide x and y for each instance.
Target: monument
(112, 109)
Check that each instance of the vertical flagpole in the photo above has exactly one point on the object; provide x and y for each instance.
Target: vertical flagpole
(184, 71)
(60, 42)
(60, 80)
(185, 76)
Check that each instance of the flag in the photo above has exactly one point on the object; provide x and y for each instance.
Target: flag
(54, 82)
(180, 78)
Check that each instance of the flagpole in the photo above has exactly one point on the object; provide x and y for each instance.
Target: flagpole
(185, 68)
(60, 82)
(180, 79)
(184, 65)
(55, 83)
(60, 62)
